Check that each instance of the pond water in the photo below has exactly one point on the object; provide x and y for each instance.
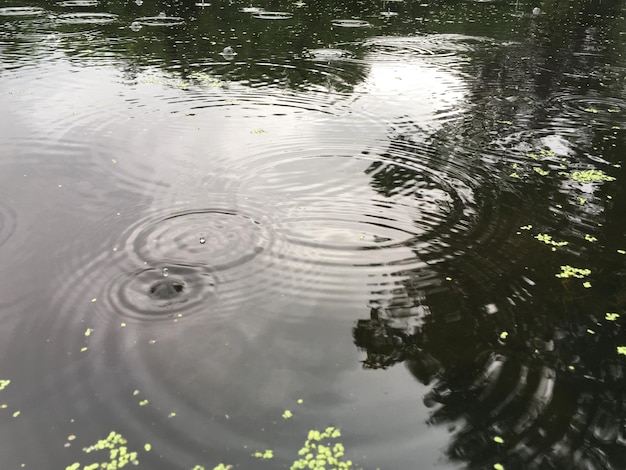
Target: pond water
(230, 231)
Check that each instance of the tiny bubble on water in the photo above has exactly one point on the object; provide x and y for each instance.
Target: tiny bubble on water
(165, 272)
(202, 240)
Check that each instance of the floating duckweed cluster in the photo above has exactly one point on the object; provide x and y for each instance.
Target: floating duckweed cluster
(543, 153)
(621, 350)
(119, 455)
(590, 176)
(4, 383)
(611, 316)
(317, 456)
(547, 239)
(265, 455)
(569, 271)
(219, 467)
(287, 414)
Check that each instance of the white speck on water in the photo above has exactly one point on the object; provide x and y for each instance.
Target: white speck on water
(202, 240)
(165, 272)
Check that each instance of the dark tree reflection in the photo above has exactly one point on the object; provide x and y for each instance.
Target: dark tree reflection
(524, 368)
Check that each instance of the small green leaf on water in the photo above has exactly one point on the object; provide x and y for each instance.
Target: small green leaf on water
(611, 316)
(590, 238)
(591, 110)
(16, 414)
(171, 415)
(541, 171)
(498, 466)
(587, 284)
(287, 414)
(621, 350)
(147, 447)
(219, 467)
(622, 252)
(526, 227)
(83, 349)
(94, 299)
(4, 383)
(88, 331)
(143, 402)
(504, 335)
(591, 332)
(498, 440)
(74, 466)
(582, 201)
(300, 401)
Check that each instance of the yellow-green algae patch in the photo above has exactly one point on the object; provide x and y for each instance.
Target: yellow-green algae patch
(318, 453)
(119, 454)
(590, 176)
(621, 350)
(547, 239)
(569, 271)
(4, 383)
(266, 455)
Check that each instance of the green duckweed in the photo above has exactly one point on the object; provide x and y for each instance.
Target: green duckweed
(547, 239)
(611, 316)
(590, 176)
(569, 271)
(119, 454)
(621, 350)
(265, 455)
(319, 454)
(4, 383)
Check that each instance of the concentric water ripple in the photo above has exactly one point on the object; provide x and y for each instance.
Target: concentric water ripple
(147, 294)
(8, 222)
(159, 21)
(21, 11)
(219, 238)
(86, 18)
(350, 23)
(78, 3)
(272, 15)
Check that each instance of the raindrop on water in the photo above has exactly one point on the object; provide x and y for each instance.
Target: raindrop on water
(139, 2)
(165, 272)
(202, 240)
(135, 26)
(228, 53)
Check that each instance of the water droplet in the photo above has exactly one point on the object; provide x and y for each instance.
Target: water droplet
(165, 272)
(202, 240)
(135, 26)
(139, 2)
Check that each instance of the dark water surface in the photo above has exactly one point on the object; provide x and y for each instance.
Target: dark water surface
(225, 224)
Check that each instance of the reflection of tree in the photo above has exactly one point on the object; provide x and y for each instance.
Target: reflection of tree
(548, 395)
(523, 367)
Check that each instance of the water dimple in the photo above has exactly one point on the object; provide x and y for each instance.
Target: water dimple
(21, 11)
(159, 21)
(86, 18)
(78, 3)
(272, 15)
(326, 54)
(350, 23)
